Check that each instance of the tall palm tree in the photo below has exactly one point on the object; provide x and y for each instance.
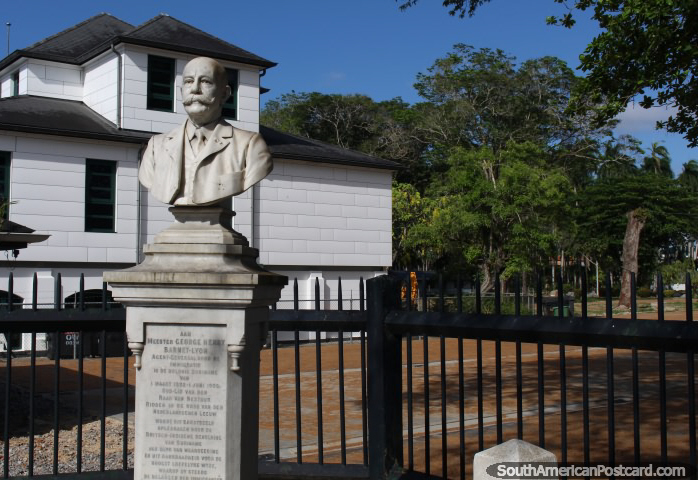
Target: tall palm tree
(658, 161)
(689, 176)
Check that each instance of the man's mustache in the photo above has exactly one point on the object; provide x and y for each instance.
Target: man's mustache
(195, 98)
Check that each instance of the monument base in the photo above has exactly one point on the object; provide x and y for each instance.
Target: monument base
(195, 319)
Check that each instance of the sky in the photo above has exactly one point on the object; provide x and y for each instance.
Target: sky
(352, 46)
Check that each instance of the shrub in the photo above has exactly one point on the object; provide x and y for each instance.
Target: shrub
(644, 292)
(668, 293)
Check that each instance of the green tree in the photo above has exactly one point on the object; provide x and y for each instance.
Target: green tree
(646, 53)
(385, 129)
(508, 224)
(658, 161)
(626, 221)
(689, 176)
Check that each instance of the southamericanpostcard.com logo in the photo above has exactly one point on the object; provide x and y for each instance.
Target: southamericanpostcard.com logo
(545, 470)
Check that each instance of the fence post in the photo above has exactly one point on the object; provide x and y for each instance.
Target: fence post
(385, 381)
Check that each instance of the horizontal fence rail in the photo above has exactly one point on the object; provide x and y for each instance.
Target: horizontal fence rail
(591, 389)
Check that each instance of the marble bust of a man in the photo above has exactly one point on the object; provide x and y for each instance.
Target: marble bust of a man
(206, 159)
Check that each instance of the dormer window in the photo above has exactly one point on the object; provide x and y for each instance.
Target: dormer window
(230, 108)
(15, 83)
(161, 79)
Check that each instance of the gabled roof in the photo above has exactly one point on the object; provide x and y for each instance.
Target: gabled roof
(292, 147)
(53, 116)
(75, 43)
(95, 35)
(169, 33)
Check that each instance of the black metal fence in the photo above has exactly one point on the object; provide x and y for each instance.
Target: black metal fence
(402, 386)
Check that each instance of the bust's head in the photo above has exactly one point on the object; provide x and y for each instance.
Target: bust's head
(204, 90)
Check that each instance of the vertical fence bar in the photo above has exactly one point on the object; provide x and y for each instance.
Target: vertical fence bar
(461, 406)
(498, 388)
(318, 375)
(691, 379)
(585, 372)
(480, 405)
(478, 295)
(441, 292)
(364, 419)
(444, 433)
(385, 388)
(585, 403)
(497, 295)
(35, 292)
(519, 373)
(662, 373)
(362, 306)
(410, 419)
(8, 386)
(425, 303)
(585, 289)
(317, 293)
(32, 393)
(609, 297)
(56, 374)
(81, 299)
(124, 402)
(297, 363)
(340, 307)
(636, 374)
(32, 380)
(56, 393)
(427, 429)
(275, 386)
(563, 404)
(539, 294)
(342, 412)
(295, 294)
(81, 388)
(498, 359)
(610, 400)
(541, 371)
(563, 373)
(103, 413)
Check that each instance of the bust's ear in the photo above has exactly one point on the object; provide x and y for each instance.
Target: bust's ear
(227, 93)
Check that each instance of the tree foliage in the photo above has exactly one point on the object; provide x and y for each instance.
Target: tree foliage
(646, 53)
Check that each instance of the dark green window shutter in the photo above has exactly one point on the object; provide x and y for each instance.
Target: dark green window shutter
(15, 84)
(5, 175)
(100, 195)
(161, 89)
(230, 108)
(5, 159)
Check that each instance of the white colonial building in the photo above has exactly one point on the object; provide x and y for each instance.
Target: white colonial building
(78, 107)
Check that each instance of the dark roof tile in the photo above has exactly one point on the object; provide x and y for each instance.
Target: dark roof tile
(52, 116)
(292, 147)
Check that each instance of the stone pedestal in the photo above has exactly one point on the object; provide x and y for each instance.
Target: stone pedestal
(196, 309)
(515, 455)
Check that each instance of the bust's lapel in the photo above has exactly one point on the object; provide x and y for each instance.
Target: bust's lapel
(220, 139)
(174, 147)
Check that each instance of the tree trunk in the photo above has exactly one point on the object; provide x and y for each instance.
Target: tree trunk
(631, 244)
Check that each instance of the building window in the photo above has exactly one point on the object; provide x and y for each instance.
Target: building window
(161, 77)
(100, 195)
(230, 108)
(15, 84)
(5, 158)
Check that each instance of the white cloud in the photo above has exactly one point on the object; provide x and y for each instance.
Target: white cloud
(636, 120)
